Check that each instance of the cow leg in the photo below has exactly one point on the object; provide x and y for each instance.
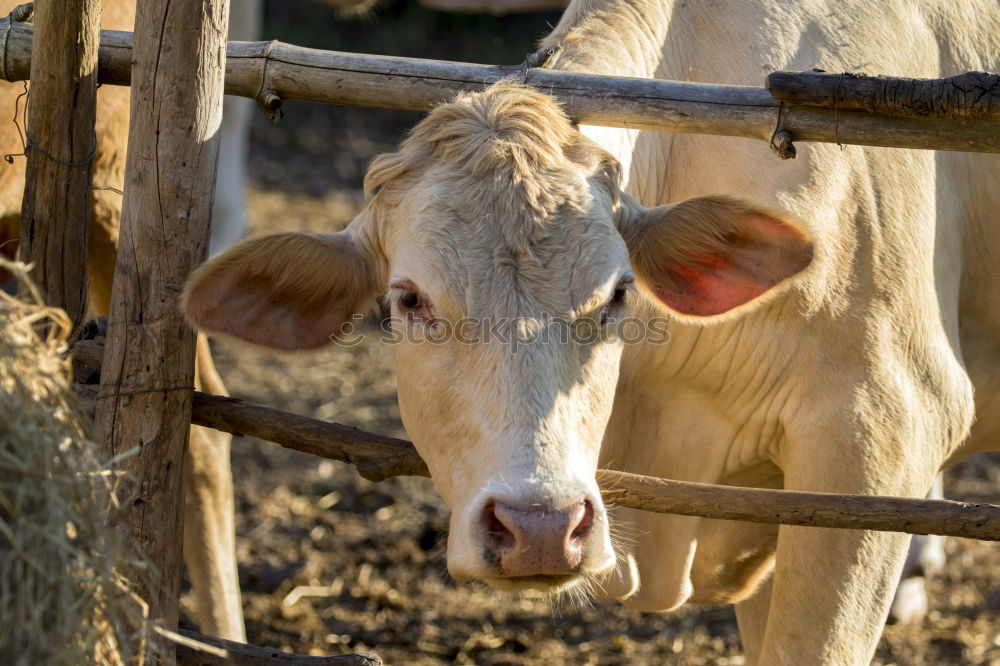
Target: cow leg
(209, 535)
(751, 616)
(830, 596)
(832, 587)
(209, 530)
(209, 507)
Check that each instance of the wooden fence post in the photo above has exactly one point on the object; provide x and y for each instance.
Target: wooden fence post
(55, 214)
(144, 401)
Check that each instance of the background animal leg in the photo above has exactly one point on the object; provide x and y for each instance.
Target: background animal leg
(209, 530)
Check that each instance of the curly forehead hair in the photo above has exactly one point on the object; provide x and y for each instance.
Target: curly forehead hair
(507, 128)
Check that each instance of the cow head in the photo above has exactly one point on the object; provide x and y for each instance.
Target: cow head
(508, 254)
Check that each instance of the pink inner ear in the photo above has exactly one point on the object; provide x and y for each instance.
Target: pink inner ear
(708, 287)
(708, 255)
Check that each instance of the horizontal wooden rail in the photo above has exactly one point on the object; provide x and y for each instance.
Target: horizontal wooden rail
(973, 95)
(378, 457)
(272, 71)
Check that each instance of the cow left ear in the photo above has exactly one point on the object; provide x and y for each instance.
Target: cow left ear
(287, 291)
(708, 255)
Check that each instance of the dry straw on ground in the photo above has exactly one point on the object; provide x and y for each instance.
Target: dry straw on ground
(62, 598)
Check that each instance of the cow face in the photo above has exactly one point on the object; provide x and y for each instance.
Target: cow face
(508, 255)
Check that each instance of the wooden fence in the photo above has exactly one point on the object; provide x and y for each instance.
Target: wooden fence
(271, 72)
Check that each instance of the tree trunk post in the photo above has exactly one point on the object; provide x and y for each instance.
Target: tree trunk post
(55, 213)
(144, 403)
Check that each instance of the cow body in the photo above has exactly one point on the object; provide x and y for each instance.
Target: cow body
(852, 375)
(855, 381)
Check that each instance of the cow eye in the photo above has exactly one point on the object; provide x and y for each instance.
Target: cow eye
(614, 308)
(409, 300)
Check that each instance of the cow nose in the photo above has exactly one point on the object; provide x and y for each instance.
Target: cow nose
(537, 540)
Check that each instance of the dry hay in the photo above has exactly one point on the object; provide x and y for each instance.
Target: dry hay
(62, 599)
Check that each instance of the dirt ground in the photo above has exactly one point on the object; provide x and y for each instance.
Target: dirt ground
(331, 563)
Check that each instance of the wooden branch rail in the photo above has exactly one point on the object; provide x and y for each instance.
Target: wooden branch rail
(272, 71)
(378, 457)
(969, 96)
(194, 649)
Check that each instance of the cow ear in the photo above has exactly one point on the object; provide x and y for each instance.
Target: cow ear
(285, 290)
(709, 255)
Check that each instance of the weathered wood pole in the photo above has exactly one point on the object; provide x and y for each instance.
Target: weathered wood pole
(968, 96)
(144, 402)
(378, 457)
(55, 213)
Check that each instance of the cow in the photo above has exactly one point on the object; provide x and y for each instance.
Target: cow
(828, 319)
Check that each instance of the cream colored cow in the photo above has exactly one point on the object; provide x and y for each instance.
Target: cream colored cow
(825, 337)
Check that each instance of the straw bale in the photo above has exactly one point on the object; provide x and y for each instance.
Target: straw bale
(63, 599)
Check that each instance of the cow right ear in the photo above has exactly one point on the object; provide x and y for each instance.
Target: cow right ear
(713, 254)
(285, 290)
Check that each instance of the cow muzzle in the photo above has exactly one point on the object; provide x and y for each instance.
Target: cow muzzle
(517, 543)
(536, 540)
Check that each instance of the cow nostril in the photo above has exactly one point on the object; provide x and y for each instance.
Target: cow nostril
(500, 536)
(537, 539)
(585, 523)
